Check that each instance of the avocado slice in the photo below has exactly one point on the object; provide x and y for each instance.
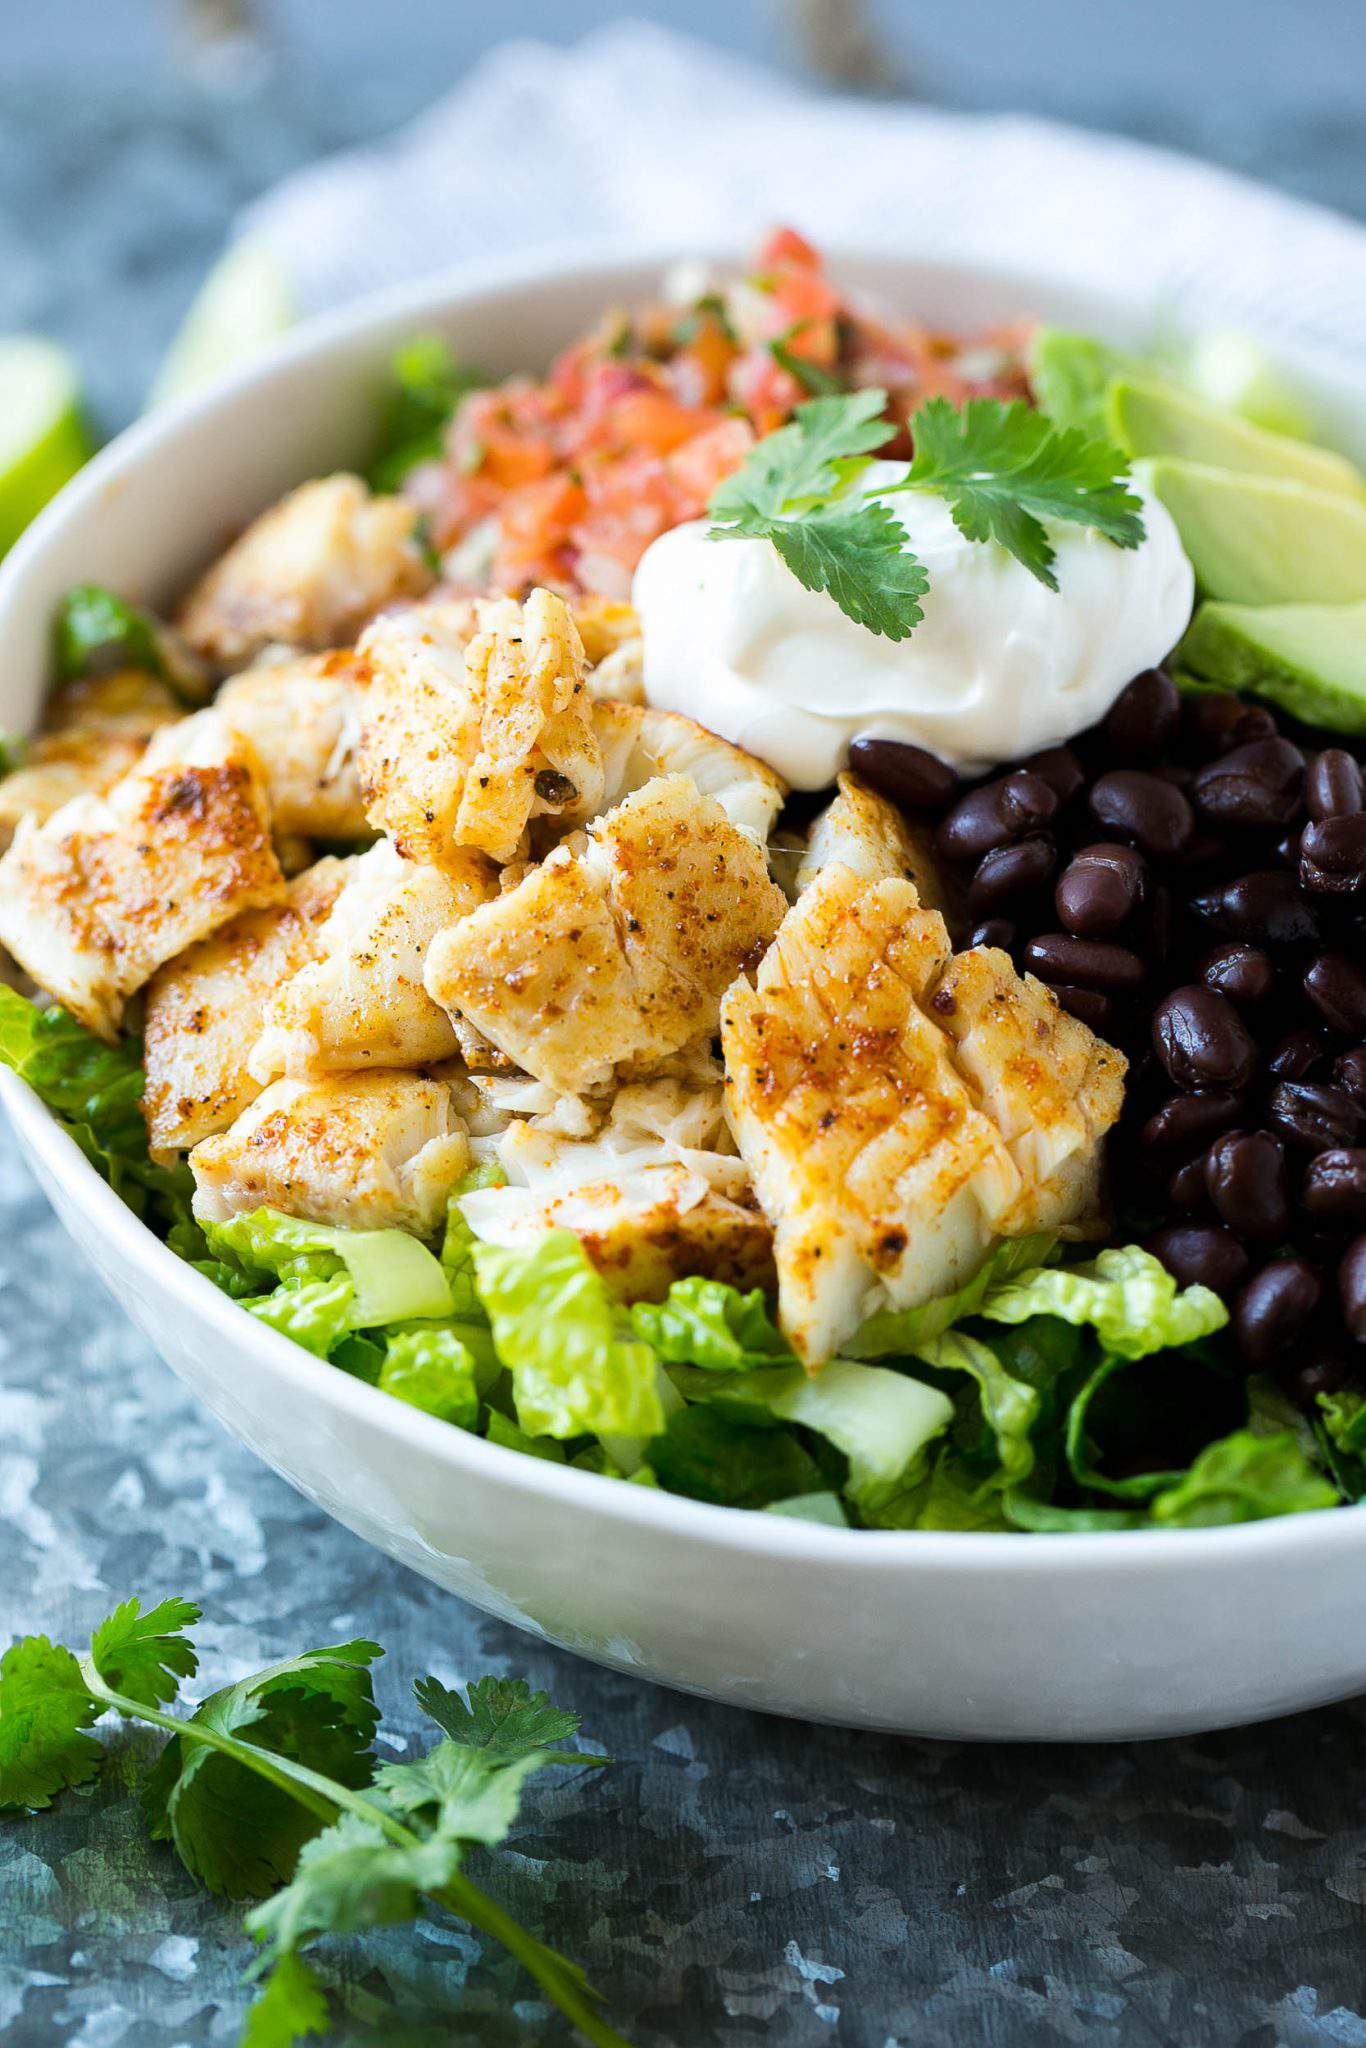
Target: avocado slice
(1070, 374)
(1147, 416)
(1233, 373)
(1263, 540)
(1308, 659)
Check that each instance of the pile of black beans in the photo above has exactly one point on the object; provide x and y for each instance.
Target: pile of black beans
(1189, 877)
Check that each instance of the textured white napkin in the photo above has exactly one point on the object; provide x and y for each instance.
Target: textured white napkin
(643, 134)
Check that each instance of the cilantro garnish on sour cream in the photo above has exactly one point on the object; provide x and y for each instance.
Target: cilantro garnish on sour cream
(1002, 468)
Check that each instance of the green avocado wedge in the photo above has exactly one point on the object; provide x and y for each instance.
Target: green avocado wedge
(1148, 416)
(1307, 659)
(1070, 374)
(1232, 372)
(1263, 540)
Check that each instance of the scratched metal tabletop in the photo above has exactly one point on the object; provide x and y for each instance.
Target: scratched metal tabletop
(731, 1879)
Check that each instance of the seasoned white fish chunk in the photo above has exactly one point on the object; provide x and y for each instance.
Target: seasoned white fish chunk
(371, 1151)
(1051, 1087)
(307, 574)
(360, 1001)
(476, 721)
(864, 833)
(882, 1176)
(303, 718)
(94, 732)
(613, 953)
(606, 625)
(639, 743)
(111, 887)
(204, 1008)
(647, 1213)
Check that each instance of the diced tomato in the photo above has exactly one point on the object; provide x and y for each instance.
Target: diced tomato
(764, 388)
(699, 465)
(785, 245)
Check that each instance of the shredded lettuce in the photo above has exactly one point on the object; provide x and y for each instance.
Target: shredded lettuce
(393, 1276)
(317, 1314)
(1244, 1478)
(1125, 1295)
(577, 1367)
(433, 1369)
(707, 1324)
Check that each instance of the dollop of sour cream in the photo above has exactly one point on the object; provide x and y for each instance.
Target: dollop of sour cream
(999, 666)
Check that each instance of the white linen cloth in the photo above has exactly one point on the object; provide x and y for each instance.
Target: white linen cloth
(640, 134)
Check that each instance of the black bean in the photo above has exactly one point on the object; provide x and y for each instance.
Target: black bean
(998, 812)
(1245, 1175)
(1296, 1056)
(1352, 1288)
(1333, 786)
(1266, 907)
(1060, 769)
(1336, 986)
(1335, 1185)
(994, 931)
(1200, 1255)
(1256, 784)
(1145, 714)
(1150, 812)
(1177, 774)
(1201, 1040)
(1274, 1309)
(1010, 871)
(1349, 1073)
(1155, 922)
(1098, 889)
(1332, 856)
(1242, 973)
(1188, 1188)
(1186, 1123)
(1216, 720)
(1090, 963)
(1326, 1374)
(1088, 1006)
(1308, 1114)
(905, 775)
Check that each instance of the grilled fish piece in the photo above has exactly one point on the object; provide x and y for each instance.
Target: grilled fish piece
(476, 721)
(303, 718)
(639, 744)
(360, 1001)
(614, 952)
(864, 833)
(308, 573)
(94, 733)
(111, 887)
(204, 1008)
(366, 1151)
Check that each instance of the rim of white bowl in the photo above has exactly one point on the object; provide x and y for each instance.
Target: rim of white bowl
(773, 1536)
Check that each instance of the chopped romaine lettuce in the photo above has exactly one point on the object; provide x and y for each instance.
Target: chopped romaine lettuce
(457, 1245)
(707, 1324)
(712, 1456)
(394, 1276)
(433, 1369)
(895, 1332)
(1126, 1295)
(1244, 1478)
(812, 1507)
(577, 1368)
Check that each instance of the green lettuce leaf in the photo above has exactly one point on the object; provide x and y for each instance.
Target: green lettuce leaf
(708, 1324)
(316, 1314)
(896, 1332)
(709, 1455)
(1009, 1406)
(1244, 1478)
(394, 1277)
(577, 1367)
(458, 1242)
(433, 1369)
(426, 386)
(825, 1508)
(1126, 1295)
(97, 631)
(94, 1090)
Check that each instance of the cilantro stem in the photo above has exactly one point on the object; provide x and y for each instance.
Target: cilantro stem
(323, 1797)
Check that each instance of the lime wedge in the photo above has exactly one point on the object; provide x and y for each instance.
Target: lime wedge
(43, 439)
(243, 303)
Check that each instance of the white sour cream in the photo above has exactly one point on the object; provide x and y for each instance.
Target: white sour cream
(999, 666)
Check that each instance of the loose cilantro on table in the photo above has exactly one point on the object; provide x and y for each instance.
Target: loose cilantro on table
(1003, 468)
(269, 1791)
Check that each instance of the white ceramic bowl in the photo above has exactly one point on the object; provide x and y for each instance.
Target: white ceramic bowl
(979, 1636)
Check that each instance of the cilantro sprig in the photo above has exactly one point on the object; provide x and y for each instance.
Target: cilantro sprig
(1002, 467)
(269, 1790)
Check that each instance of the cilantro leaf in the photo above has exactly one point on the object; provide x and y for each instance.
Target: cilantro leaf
(44, 1711)
(502, 1715)
(349, 1877)
(463, 1794)
(145, 1656)
(291, 2007)
(234, 1830)
(813, 379)
(426, 386)
(857, 552)
(799, 466)
(1004, 469)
